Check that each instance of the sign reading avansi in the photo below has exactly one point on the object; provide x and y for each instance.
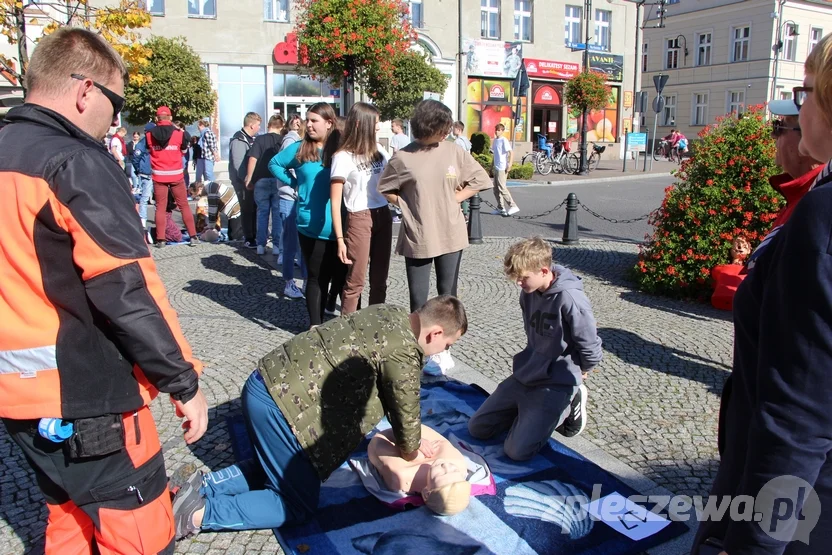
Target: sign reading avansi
(610, 65)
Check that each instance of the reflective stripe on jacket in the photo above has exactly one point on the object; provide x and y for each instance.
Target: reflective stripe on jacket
(85, 325)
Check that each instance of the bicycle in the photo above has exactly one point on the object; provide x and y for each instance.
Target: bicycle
(595, 157)
(560, 159)
(664, 150)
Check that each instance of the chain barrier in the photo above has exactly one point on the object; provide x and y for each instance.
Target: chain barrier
(542, 214)
(612, 220)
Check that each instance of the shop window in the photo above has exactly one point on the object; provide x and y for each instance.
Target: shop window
(202, 8)
(242, 89)
(602, 125)
(491, 101)
(276, 10)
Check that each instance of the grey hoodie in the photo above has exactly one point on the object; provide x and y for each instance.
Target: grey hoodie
(562, 339)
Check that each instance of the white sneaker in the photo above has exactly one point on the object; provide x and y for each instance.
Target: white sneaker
(291, 290)
(498, 212)
(513, 210)
(279, 256)
(261, 250)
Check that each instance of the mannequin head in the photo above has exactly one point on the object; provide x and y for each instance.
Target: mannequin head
(447, 492)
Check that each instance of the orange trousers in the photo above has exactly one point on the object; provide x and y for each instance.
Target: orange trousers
(117, 504)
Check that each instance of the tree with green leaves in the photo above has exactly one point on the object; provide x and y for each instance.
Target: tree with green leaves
(176, 79)
(413, 75)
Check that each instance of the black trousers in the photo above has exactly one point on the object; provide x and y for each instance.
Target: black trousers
(418, 277)
(248, 212)
(321, 257)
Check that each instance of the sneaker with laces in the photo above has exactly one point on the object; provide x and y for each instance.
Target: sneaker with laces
(291, 291)
(513, 210)
(250, 245)
(194, 241)
(187, 501)
(498, 212)
(575, 422)
(261, 250)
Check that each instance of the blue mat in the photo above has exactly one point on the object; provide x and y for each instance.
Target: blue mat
(528, 516)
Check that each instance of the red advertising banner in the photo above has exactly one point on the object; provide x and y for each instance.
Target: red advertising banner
(547, 69)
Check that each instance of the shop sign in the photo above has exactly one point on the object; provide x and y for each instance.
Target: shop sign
(611, 65)
(547, 69)
(491, 58)
(496, 92)
(547, 95)
(286, 52)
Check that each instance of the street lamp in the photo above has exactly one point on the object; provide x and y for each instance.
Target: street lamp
(583, 169)
(685, 46)
(778, 45)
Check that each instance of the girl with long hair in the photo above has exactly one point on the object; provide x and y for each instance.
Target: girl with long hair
(366, 238)
(291, 131)
(315, 233)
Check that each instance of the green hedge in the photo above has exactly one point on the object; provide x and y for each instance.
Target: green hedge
(480, 143)
(486, 160)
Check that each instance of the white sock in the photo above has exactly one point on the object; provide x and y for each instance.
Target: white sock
(144, 223)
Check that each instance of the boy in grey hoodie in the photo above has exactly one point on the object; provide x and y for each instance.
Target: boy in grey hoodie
(545, 391)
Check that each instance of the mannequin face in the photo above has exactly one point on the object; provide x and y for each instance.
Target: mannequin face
(443, 472)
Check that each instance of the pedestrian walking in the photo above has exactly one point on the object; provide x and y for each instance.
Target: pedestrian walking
(87, 336)
(503, 159)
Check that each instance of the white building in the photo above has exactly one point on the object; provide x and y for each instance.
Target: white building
(724, 55)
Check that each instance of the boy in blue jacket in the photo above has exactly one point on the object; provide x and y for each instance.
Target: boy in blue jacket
(545, 391)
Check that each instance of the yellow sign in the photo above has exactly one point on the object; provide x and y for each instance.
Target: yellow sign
(628, 99)
(627, 123)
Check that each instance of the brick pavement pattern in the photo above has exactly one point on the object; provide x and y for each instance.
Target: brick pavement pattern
(653, 402)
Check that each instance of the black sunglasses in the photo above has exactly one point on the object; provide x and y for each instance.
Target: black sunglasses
(779, 128)
(799, 95)
(116, 100)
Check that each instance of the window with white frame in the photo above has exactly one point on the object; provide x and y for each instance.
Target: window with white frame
(740, 41)
(699, 109)
(573, 19)
(669, 112)
(154, 7)
(789, 42)
(703, 49)
(602, 29)
(671, 53)
(490, 19)
(202, 8)
(276, 10)
(644, 60)
(785, 95)
(416, 16)
(523, 20)
(815, 34)
(735, 102)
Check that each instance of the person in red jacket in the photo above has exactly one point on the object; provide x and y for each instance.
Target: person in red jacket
(87, 336)
(167, 145)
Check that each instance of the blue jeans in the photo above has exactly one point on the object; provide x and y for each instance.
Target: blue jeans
(291, 246)
(146, 184)
(204, 170)
(185, 174)
(279, 487)
(268, 202)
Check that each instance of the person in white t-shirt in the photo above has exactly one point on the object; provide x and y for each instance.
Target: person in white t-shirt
(367, 238)
(117, 146)
(399, 139)
(503, 157)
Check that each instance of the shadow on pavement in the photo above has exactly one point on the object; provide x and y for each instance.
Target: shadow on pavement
(685, 309)
(634, 349)
(22, 507)
(611, 268)
(256, 298)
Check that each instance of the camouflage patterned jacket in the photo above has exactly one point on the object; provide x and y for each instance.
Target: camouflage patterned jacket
(335, 383)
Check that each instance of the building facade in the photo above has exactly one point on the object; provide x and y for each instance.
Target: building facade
(248, 50)
(724, 55)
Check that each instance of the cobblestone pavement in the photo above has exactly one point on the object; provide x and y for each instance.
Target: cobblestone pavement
(653, 402)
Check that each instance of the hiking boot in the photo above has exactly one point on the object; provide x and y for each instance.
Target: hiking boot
(575, 422)
(188, 501)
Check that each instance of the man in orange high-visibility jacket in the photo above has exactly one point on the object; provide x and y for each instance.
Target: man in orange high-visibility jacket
(86, 332)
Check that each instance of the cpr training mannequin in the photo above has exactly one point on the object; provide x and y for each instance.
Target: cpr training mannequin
(441, 479)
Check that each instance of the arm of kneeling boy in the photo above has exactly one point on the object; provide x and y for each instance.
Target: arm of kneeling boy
(585, 334)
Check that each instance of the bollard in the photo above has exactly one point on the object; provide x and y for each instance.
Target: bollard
(474, 224)
(570, 227)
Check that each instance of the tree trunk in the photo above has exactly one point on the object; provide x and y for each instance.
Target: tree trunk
(22, 47)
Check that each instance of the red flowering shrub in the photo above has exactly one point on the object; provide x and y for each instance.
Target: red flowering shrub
(721, 192)
(356, 38)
